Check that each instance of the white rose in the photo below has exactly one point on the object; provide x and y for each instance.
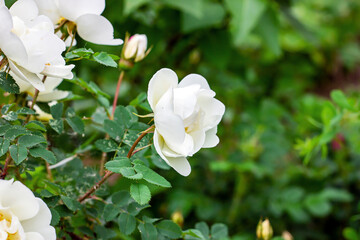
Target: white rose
(86, 14)
(136, 47)
(186, 116)
(22, 215)
(29, 44)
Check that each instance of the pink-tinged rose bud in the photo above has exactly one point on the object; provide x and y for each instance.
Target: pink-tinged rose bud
(264, 230)
(287, 236)
(136, 47)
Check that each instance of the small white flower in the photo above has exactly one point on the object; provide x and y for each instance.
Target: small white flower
(186, 116)
(22, 215)
(29, 44)
(136, 47)
(86, 14)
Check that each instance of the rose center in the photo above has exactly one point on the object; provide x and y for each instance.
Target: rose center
(10, 226)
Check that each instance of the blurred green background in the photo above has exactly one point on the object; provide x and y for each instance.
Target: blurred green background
(273, 64)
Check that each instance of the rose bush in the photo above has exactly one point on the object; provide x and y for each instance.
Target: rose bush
(186, 116)
(22, 215)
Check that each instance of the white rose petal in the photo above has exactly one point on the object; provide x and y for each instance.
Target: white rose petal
(22, 214)
(186, 116)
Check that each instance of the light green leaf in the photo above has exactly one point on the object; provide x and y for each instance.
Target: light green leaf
(57, 125)
(219, 231)
(104, 59)
(340, 99)
(151, 176)
(117, 165)
(127, 223)
(36, 125)
(131, 5)
(148, 231)
(140, 193)
(194, 7)
(245, 16)
(130, 173)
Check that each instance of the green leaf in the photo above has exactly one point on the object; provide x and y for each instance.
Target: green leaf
(215, 14)
(127, 223)
(350, 234)
(116, 131)
(317, 205)
(105, 59)
(245, 16)
(57, 110)
(117, 165)
(80, 53)
(31, 140)
(340, 99)
(11, 116)
(169, 229)
(106, 145)
(131, 5)
(57, 125)
(140, 193)
(36, 125)
(18, 153)
(152, 177)
(25, 111)
(76, 124)
(203, 228)
(110, 212)
(14, 132)
(268, 29)
(70, 203)
(130, 173)
(43, 153)
(4, 146)
(55, 217)
(148, 231)
(123, 116)
(194, 7)
(219, 231)
(121, 198)
(8, 84)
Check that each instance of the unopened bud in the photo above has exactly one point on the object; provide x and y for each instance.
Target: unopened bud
(135, 48)
(287, 236)
(178, 218)
(264, 230)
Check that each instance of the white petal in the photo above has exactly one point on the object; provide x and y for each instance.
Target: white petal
(198, 139)
(5, 19)
(96, 29)
(213, 109)
(180, 164)
(59, 71)
(50, 84)
(162, 81)
(194, 79)
(13, 47)
(55, 95)
(24, 9)
(49, 9)
(72, 10)
(211, 139)
(33, 236)
(185, 100)
(20, 200)
(25, 75)
(23, 85)
(41, 222)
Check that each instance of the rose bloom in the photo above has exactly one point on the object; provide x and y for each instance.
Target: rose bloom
(85, 14)
(22, 215)
(186, 116)
(29, 44)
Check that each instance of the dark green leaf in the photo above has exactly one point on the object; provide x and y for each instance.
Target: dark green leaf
(127, 223)
(25, 111)
(57, 110)
(36, 125)
(169, 229)
(43, 153)
(116, 165)
(31, 140)
(57, 125)
(14, 131)
(8, 84)
(110, 212)
(76, 124)
(106, 145)
(4, 146)
(115, 130)
(148, 231)
(219, 231)
(18, 153)
(70, 203)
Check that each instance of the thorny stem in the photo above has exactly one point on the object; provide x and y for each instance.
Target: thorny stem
(6, 166)
(34, 100)
(117, 93)
(109, 173)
